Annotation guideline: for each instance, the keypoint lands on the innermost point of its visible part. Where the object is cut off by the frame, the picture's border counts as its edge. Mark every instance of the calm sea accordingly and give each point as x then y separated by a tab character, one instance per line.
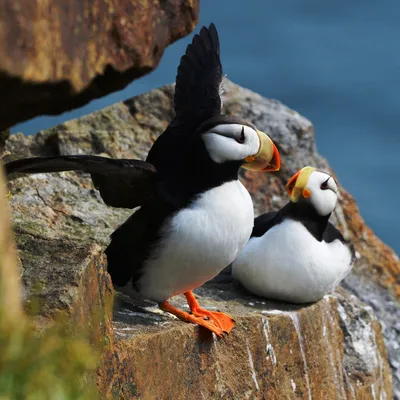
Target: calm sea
337	63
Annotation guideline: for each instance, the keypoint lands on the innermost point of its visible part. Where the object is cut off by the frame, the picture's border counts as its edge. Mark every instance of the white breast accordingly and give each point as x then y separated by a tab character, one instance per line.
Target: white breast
288	263
198	242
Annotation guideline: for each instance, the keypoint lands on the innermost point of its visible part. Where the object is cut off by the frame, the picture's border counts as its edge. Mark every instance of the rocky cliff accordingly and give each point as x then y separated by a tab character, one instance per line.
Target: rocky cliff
333	349
56	55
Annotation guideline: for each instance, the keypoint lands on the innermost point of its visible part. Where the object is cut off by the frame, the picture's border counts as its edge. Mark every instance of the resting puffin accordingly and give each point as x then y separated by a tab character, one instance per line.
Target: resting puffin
296	254
195	215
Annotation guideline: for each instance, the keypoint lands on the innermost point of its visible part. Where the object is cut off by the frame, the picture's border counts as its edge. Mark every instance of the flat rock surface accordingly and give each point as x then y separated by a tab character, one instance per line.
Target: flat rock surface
329	350
332	348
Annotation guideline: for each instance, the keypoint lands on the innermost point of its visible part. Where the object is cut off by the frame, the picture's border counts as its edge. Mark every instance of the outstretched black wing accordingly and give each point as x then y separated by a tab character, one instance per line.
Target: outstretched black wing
199	78
122	183
197	97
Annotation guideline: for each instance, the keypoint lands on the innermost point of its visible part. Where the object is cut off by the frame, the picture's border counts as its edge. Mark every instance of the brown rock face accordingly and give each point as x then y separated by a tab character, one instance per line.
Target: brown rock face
384	262
271	354
56	56
333	349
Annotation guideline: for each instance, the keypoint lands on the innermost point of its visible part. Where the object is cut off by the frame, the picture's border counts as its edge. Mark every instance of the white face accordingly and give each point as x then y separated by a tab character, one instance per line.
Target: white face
324	191
231	142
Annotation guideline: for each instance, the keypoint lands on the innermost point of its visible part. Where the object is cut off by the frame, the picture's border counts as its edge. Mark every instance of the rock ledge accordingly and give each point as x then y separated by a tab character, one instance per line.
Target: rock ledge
331	349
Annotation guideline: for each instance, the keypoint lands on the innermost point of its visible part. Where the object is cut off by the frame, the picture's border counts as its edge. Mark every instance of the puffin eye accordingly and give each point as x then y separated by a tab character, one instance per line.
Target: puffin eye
241	138
324	185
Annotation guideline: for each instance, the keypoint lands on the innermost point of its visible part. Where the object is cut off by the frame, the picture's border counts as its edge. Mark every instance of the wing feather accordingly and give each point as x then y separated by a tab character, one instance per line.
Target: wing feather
264	223
197	90
122	183
197	98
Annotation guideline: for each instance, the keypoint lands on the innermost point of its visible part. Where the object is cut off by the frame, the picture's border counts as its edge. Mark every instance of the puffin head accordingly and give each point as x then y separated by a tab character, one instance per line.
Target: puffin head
315	187
230	138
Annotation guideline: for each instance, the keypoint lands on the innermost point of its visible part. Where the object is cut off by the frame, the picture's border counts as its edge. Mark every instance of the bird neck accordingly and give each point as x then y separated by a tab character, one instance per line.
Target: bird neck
179	189
202	173
201	178
306	214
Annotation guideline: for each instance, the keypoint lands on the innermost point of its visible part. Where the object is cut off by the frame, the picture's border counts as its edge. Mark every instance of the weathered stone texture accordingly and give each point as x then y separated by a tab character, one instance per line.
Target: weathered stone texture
59	55
327	350
330	350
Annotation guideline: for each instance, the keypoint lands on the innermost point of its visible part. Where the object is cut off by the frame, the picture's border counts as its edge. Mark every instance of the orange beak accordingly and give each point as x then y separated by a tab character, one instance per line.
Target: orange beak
291	183
275	162
267	158
296	185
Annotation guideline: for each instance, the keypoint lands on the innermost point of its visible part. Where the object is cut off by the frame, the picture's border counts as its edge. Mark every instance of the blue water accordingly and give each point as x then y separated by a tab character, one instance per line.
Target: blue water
337	63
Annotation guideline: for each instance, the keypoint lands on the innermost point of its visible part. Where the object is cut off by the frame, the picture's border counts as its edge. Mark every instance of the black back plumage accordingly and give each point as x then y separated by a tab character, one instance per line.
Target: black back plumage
319	226
132	243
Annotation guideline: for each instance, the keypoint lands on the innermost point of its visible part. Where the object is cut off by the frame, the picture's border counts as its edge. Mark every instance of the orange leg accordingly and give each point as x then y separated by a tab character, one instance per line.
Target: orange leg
221	320
184	316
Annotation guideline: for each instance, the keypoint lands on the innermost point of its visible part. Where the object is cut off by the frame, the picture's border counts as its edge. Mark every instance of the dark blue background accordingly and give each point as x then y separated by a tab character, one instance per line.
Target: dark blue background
337	63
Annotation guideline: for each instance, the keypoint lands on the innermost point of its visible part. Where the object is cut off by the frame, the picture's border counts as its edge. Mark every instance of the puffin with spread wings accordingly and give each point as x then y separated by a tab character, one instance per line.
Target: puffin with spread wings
195	215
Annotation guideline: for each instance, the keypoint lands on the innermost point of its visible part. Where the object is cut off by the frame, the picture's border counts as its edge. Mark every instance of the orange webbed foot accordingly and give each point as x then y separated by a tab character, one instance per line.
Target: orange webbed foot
221	320
198	320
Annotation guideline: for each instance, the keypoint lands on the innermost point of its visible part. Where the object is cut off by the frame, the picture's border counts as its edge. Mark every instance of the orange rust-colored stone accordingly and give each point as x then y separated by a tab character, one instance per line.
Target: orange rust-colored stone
383	262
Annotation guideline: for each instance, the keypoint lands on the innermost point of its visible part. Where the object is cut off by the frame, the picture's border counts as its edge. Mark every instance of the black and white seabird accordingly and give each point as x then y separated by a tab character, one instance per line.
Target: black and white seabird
195	215
296	254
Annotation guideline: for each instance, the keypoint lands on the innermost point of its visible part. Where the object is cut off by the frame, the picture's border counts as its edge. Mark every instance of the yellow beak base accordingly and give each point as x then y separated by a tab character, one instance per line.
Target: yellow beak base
267	158
296	185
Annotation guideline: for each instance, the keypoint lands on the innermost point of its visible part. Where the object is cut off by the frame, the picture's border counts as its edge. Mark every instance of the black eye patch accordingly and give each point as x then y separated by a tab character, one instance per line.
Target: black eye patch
241	138
324	185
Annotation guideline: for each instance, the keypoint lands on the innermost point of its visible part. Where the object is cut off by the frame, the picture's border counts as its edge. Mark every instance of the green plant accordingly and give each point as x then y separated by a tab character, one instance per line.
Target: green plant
52	363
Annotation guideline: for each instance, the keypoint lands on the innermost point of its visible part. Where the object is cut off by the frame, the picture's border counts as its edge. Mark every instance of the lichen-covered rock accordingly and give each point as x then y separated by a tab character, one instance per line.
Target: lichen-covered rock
327	350
56	56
